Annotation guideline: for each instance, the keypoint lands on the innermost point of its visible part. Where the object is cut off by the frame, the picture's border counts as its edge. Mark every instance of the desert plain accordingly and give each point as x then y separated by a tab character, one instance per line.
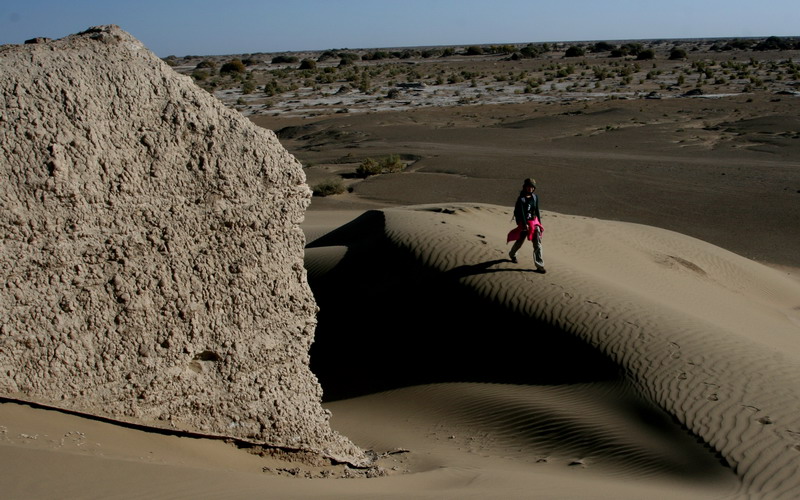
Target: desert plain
658	357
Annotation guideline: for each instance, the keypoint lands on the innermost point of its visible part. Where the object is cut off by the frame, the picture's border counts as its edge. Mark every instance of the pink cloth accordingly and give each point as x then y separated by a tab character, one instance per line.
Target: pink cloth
513	235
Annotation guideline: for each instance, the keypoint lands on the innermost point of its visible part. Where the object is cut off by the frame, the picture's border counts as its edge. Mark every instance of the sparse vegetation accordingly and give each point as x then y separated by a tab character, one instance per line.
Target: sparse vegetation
388	165
232	66
677	53
248	87
206	64
368	167
575	51
645	55
329	187
494	73
308	64
602	47
284	59
392	164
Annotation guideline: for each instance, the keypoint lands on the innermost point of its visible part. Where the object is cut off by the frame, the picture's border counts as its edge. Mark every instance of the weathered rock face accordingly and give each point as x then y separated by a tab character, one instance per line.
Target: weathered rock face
151	261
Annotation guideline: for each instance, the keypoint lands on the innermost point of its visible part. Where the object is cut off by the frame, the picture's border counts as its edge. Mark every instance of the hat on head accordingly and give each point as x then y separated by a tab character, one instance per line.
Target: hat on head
529	183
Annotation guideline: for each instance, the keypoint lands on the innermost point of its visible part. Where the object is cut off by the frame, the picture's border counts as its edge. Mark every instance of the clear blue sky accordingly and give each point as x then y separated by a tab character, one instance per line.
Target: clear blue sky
204	27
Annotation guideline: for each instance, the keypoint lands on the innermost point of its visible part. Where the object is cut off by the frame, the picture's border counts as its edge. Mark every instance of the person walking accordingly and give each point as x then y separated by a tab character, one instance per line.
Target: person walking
529	226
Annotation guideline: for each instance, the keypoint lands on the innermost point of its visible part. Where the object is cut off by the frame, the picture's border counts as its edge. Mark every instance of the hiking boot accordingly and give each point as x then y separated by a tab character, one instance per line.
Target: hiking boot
541	270
513	258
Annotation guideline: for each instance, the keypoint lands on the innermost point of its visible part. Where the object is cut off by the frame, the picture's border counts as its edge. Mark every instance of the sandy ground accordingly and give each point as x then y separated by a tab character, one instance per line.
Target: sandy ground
644	363
657	358
722	170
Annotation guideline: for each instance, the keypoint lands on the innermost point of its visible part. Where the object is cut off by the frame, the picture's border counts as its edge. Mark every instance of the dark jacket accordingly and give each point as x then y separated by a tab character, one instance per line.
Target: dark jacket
526	208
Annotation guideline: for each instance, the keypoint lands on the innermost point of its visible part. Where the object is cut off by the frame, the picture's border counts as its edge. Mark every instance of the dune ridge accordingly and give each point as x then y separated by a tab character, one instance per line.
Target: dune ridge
700	332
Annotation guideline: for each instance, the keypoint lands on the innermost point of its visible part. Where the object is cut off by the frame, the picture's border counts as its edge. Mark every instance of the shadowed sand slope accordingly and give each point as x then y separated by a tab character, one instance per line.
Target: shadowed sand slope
631	324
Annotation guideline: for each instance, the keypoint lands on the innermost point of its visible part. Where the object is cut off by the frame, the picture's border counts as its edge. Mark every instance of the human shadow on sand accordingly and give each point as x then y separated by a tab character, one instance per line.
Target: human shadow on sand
485	268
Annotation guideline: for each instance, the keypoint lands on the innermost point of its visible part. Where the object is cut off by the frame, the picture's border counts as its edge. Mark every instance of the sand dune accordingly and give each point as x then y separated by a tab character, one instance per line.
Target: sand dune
706	336
645	363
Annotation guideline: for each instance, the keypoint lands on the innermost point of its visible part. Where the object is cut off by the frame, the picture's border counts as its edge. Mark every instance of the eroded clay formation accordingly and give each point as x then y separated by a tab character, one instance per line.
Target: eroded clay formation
151	259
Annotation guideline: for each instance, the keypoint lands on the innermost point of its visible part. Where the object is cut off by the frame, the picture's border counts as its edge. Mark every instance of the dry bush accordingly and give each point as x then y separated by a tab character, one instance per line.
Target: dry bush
328	187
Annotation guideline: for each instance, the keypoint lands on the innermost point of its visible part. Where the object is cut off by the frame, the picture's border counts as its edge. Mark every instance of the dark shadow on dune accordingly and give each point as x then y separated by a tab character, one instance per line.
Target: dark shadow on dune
386	322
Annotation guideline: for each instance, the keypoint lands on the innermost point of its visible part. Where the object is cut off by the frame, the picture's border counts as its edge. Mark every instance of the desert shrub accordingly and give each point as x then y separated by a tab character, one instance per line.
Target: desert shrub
600	73
500	49
328	54
575	51
328	187
284	59
646	54
530	51
392	164
474	50
232	66
629	49
737	44
272	87
376	55
677	53
408	54
449	51
633	48
602	47
773	43
368	167
308	64
211	65
392	94
349	57
364	84
326	78
248	87
565	72
200	74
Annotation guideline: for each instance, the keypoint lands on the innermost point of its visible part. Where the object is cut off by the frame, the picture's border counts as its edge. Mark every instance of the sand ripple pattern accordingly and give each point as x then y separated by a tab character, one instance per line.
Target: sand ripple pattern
702	333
